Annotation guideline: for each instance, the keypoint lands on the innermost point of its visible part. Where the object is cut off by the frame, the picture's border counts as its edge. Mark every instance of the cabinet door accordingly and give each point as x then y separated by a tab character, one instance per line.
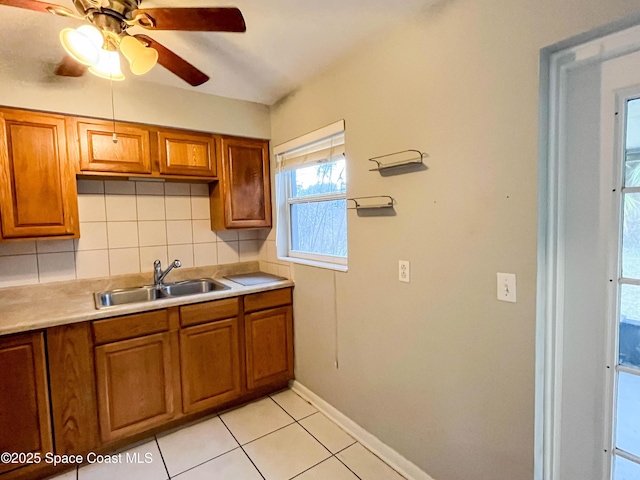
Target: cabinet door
98	152
242	197
187	153
24	400
269	346
38	196
210	364
135	385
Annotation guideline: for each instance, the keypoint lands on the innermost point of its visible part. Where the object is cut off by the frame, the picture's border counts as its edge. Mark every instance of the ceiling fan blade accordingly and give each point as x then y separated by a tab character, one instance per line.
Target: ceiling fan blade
68	67
36	6
174	63
194	19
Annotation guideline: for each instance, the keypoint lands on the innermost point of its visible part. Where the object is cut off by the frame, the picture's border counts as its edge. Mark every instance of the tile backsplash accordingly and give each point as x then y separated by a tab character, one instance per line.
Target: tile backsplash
125	226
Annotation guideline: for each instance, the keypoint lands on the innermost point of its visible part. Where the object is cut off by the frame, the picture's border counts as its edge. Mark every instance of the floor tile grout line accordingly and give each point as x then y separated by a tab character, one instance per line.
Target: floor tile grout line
262	436
345	465
164	463
206	461
243	450
312	466
314	437
282	408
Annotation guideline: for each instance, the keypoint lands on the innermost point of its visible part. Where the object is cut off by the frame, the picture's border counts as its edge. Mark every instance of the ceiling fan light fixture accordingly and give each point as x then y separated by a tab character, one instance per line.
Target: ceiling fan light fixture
82	44
108	66
141	58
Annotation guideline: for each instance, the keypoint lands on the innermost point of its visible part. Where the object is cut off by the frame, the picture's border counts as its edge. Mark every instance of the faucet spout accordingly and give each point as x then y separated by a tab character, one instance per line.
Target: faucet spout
159	275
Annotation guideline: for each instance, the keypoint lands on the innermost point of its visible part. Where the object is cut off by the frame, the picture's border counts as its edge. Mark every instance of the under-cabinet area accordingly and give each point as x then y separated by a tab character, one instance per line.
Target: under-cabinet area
95	386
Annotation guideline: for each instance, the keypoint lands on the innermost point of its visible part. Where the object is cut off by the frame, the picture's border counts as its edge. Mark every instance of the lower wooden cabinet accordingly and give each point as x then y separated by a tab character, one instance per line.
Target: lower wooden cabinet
25	425
135	385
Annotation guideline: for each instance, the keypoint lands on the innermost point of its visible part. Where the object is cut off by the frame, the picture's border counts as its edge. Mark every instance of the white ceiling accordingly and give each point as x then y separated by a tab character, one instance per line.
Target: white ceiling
286	43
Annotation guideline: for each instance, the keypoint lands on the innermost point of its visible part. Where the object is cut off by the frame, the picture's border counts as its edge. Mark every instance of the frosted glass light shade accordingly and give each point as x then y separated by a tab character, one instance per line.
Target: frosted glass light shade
82	44
108	66
141	58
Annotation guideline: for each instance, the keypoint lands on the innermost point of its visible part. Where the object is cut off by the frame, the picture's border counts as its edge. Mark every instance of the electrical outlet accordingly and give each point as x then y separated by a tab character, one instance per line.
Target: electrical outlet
404	272
507	287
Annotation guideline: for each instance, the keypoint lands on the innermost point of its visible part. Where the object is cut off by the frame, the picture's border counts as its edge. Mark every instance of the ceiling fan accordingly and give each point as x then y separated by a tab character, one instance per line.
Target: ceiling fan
94	46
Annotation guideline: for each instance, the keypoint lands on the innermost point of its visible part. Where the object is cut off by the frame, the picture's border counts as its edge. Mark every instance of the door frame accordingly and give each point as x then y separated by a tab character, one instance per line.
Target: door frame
595	47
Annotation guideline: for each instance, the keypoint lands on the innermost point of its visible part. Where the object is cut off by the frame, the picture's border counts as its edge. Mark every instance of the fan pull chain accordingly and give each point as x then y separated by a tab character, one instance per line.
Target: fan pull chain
113	113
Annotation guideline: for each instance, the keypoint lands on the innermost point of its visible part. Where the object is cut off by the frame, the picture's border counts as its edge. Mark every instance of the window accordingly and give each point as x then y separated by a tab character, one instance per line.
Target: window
311	187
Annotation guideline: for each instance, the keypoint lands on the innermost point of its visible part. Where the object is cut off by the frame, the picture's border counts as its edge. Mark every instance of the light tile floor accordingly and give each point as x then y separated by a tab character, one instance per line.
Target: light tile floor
276	438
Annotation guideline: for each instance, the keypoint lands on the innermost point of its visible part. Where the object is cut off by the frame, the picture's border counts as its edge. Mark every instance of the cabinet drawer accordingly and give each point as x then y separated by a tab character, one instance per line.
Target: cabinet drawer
207	312
130	326
264	300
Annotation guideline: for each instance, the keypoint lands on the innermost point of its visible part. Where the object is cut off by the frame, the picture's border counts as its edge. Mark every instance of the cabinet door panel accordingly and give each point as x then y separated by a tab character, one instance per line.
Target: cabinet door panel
210	364
135	389
187	154
24	400
37	182
98	153
269	346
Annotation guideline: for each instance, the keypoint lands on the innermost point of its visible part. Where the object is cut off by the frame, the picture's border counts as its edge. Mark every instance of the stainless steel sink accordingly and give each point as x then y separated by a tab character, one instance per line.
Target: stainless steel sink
150	293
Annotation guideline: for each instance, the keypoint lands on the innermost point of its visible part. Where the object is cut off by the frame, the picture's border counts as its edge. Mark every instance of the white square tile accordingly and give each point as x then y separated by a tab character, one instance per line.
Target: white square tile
171	188
148	255
91	208
150	188
271	268
90	186
17	248
93	236
228	253
263	249
121	208
228	235
184	253
294	405
272	254
327	433
179	232
255	420
18	270
248	234
122	234
56	267
263	233
200	190
202	232
54	246
286	453
366	465
205	254
152	233
249	250
70	475
284	271
234	465
178	207
331	468
92	264
150	207
130	467
195	444
200	208
119	187
124	260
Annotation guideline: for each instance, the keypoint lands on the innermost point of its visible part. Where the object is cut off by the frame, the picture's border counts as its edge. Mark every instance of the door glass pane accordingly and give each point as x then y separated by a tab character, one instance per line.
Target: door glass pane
320	227
626	469
631	236
630	326
628	414
632	145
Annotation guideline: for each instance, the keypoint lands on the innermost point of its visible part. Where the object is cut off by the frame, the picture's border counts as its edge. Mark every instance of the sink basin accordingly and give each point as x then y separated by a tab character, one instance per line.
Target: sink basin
125	296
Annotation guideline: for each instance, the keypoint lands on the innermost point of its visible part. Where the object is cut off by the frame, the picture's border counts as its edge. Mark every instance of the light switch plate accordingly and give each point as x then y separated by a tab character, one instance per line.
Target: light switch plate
507	287
404	271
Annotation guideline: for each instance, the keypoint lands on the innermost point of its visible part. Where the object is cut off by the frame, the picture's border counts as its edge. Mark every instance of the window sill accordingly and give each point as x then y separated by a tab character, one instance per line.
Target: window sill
314	263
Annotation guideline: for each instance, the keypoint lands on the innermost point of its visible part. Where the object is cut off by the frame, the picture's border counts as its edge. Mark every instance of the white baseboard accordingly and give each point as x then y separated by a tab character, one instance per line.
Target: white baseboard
396	461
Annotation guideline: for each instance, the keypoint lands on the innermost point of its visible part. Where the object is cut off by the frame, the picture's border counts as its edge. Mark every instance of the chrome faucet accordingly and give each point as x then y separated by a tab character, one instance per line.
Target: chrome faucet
158	274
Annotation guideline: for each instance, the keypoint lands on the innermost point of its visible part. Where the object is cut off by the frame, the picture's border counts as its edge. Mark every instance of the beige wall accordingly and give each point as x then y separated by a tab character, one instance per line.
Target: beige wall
438	368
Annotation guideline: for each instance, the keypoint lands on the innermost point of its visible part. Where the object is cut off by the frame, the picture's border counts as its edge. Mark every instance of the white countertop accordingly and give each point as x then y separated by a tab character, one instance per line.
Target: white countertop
35	307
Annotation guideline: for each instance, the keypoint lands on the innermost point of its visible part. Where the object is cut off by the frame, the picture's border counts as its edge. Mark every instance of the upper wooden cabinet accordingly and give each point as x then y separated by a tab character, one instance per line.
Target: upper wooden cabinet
99	153
242	197
37	180
25	424
186	153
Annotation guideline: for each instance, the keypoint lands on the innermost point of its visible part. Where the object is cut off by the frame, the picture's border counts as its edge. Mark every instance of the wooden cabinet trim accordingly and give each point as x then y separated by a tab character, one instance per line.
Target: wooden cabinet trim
209	311
130	326
270	299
